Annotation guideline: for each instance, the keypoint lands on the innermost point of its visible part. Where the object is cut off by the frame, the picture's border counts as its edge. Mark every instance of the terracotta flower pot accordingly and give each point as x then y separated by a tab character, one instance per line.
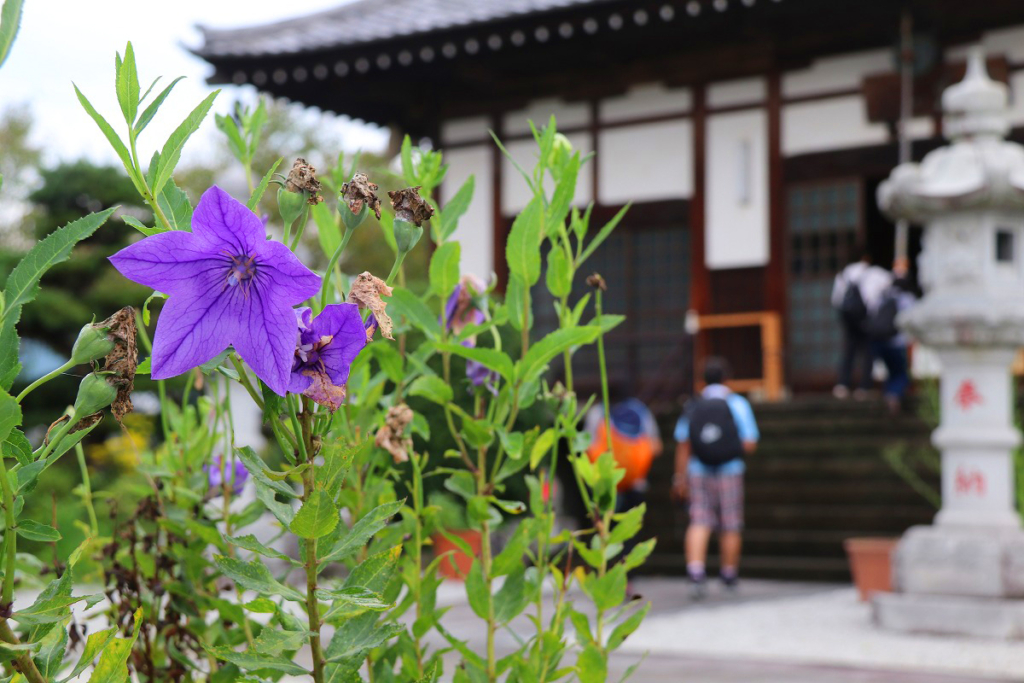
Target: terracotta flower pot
871	564
457	563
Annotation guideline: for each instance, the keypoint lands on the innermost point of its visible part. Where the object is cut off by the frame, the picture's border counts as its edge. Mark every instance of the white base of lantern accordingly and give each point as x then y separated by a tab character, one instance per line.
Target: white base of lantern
996	618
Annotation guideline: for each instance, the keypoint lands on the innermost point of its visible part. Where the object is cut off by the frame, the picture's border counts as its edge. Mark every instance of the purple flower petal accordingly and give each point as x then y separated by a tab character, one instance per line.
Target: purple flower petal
292	281
222	222
167	262
326	348
267	341
214	476
451	306
191	331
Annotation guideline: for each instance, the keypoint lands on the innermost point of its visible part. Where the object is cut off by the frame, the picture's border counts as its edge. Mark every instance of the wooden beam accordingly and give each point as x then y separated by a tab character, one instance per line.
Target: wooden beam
700	290
497	219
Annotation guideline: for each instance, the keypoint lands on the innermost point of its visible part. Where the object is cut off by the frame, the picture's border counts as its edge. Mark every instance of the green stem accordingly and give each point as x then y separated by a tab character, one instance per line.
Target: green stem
485	566
243	379
395	268
87	490
44	379
24	660
61	433
312	603
302	228
148	196
10	539
335	257
604	370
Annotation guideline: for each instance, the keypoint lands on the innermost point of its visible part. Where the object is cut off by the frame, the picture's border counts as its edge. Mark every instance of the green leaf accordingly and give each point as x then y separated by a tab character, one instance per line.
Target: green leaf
52	648
351	602
561	200
23	283
455	208
176	207
362	531
251	660
476	591
10	415
150	111
432	388
444	269
94	644
492	359
144	229
368	640
34	531
256	577
591	666
10	19
282	511
559	273
108	132
406	304
258	471
627	626
523	247
273	641
602	235
16	446
257	194
541	353
48	610
541	447
171	151
253	545
517	301
128	86
512	598
317	517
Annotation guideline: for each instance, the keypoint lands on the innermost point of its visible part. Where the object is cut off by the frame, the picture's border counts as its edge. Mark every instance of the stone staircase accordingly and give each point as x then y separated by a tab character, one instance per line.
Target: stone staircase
818	478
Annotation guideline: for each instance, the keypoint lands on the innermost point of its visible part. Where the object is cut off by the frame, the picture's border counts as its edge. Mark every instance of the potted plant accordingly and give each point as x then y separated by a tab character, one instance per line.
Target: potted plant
454	540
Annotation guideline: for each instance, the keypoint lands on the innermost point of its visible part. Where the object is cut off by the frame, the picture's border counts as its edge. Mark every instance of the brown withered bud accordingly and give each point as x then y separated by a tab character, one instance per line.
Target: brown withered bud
359	191
597	282
410	206
302	177
366	292
122	360
391	437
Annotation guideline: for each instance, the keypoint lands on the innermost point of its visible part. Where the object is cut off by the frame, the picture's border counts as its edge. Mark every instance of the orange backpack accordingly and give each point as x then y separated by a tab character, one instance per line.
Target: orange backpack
633	454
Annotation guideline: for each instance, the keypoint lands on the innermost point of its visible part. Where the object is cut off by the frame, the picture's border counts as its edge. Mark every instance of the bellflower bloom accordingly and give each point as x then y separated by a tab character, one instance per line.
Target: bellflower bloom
460	311
227	286
237	478
480	375
326	347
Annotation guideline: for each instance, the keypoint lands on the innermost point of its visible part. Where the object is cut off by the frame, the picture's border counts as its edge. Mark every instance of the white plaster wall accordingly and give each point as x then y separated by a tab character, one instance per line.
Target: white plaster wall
740	91
834	123
515	194
646	162
567	114
836	73
737	228
476	227
1017	98
645	100
470	129
1005	41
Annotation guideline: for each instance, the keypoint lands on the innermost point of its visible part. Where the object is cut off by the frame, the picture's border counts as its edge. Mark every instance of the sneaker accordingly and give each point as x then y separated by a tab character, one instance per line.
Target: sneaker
698	587
840	391
730	582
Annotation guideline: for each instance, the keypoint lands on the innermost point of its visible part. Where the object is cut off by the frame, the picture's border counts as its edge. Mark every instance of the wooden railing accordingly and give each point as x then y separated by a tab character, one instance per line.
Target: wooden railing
771	381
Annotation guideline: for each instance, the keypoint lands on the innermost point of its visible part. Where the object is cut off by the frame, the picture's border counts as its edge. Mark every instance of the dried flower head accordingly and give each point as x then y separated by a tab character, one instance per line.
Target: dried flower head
391	437
122	360
597	282
360	191
366	292
301	178
410	206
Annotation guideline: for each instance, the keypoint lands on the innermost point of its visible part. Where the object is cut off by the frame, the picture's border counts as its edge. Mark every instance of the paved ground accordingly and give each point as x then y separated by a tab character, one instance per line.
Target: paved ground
775	632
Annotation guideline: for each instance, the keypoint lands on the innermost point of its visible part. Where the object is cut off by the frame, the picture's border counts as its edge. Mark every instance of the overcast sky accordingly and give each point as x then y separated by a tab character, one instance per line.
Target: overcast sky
74	40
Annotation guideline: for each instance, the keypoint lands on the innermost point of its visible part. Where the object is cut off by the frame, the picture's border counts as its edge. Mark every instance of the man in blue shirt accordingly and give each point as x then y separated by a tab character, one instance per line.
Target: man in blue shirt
713	435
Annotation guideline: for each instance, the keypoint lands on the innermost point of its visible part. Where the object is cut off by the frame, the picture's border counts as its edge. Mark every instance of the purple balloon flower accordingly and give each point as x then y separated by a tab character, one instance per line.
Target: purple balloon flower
481	375
237	478
460	310
326	347
227	286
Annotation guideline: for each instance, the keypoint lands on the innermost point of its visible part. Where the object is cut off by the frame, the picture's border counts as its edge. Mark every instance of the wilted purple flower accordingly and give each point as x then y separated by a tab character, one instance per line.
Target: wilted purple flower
326	347
237	478
227	285
460	310
481	375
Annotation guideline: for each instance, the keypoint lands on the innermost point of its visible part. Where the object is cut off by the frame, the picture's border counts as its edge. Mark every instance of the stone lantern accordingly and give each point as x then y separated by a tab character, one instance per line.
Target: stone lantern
965	573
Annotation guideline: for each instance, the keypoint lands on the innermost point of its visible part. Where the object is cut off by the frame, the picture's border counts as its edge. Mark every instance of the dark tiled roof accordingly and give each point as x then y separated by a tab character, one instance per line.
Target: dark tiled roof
368	21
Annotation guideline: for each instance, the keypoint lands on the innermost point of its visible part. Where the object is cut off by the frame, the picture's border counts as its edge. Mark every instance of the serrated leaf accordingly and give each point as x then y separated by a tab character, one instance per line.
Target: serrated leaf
523	247
112	666
252	544
34	531
94	644
10	415
113	139
351	602
591	666
432	388
176	207
541	447
553	344
455	208
257	194
626	627
127	86
362	531
492	359
317	517
256	577
252	660
444	269
406	304
17	446
171	151
256	468
142	227
52	648
150	111
10	20
602	235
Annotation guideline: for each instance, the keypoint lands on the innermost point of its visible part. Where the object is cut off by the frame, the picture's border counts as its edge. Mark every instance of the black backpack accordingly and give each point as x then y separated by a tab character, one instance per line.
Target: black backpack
714	438
853	309
882	324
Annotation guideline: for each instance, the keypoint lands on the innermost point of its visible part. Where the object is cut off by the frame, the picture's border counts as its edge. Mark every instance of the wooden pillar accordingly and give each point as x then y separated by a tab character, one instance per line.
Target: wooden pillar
700	285
776	274
497	219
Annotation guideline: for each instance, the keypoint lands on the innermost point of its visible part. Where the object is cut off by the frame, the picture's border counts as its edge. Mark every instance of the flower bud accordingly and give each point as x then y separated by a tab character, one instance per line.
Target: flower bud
94	393
290	204
406	235
352	220
93	343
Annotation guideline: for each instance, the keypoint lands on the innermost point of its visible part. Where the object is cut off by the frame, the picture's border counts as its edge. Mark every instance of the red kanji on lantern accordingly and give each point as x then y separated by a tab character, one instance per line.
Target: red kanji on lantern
967	395
967	482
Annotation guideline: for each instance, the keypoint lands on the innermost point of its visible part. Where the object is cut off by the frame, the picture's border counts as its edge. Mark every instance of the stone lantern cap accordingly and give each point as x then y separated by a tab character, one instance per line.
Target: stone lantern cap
979	170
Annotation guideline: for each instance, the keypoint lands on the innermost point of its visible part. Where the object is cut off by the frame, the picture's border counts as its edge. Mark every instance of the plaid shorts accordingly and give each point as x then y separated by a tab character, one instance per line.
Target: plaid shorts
716	501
